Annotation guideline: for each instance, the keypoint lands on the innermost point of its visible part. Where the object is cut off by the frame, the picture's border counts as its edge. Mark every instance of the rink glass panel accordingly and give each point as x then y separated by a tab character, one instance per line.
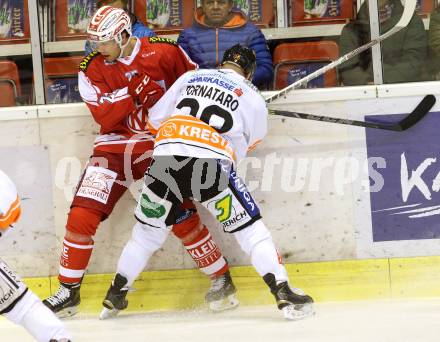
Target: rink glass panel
315	41
16	72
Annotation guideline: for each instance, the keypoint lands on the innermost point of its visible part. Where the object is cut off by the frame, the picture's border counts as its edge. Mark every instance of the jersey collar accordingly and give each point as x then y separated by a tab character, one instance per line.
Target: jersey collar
129	59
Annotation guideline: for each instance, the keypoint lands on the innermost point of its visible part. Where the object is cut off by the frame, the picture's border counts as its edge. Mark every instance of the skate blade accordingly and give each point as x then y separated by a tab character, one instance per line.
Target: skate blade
67	312
108	313
293	314
228	303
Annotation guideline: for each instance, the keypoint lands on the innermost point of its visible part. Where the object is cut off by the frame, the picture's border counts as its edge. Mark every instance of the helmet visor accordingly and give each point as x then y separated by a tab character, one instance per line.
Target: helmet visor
95	44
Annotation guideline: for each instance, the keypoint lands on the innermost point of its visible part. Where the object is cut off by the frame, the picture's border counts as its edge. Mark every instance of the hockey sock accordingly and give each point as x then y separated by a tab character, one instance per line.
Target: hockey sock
206	254
74	260
145	240
78	244
265	259
256	241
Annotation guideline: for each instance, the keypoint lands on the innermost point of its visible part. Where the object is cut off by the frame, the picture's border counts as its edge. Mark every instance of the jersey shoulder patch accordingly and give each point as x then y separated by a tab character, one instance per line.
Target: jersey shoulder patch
162	40
86	61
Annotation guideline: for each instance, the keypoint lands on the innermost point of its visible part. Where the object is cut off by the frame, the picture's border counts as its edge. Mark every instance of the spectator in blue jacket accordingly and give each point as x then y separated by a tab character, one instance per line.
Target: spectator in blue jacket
217	27
138	28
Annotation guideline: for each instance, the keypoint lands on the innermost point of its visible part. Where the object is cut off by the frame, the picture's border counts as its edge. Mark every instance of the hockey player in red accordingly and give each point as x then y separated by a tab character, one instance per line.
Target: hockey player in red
119	81
205	124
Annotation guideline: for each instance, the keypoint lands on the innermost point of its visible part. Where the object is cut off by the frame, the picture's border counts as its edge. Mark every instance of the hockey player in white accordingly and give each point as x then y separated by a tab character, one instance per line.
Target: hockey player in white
204	124
17	303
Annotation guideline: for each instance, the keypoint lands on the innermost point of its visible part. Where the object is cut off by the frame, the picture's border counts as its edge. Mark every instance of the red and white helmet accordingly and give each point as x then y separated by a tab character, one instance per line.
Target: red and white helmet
108	23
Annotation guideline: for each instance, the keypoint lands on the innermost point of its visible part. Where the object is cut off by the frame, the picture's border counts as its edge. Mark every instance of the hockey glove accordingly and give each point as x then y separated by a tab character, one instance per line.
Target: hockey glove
144	90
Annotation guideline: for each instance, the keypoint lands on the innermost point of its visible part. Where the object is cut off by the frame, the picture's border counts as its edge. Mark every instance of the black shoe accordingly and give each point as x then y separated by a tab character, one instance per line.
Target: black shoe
221	294
65	302
294	303
115	299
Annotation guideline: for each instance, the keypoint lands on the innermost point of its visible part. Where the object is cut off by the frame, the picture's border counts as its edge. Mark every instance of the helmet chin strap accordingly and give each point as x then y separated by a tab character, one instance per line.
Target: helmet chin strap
122	46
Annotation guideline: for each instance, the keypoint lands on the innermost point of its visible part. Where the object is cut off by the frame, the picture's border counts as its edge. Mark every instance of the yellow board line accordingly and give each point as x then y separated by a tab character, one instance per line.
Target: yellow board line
325	281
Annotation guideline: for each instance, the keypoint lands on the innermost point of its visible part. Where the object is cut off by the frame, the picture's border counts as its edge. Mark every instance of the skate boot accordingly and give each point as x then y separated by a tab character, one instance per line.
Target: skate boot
221	294
115	299
294	303
65	302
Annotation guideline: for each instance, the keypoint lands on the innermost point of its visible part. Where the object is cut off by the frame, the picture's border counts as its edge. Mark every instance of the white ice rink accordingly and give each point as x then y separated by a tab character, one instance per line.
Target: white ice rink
378	321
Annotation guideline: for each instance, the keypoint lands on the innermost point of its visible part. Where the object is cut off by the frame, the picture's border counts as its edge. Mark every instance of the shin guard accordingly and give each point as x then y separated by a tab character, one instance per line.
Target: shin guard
206	254
76	253
199	243
256	241
145	240
74	260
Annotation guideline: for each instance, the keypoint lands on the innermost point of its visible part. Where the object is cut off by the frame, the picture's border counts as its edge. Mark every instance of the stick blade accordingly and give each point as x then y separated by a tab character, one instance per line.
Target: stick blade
418	113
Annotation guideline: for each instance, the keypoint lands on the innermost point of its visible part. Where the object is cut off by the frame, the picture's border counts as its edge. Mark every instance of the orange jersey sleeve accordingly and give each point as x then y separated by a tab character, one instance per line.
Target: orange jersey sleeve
9	202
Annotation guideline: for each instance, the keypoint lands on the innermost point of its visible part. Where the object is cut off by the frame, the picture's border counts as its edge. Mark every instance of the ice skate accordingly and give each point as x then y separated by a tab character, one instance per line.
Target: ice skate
115	300
65	302
294	303
221	294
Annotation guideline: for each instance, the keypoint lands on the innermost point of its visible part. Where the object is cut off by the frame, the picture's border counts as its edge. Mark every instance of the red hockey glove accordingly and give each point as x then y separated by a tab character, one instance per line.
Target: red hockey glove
144	90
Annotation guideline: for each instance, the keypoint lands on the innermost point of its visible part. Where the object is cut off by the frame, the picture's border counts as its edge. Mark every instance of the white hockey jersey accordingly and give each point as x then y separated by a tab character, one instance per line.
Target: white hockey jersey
9	202
209	114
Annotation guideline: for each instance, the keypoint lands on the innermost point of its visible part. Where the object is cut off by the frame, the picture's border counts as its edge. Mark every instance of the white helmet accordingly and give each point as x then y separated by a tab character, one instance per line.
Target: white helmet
107	24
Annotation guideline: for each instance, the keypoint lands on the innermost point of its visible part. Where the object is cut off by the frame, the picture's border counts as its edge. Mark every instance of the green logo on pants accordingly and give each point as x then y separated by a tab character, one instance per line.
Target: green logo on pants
151	209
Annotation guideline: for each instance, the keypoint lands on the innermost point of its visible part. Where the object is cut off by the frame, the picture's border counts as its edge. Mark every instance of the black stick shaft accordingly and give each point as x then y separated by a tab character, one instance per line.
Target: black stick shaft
415	116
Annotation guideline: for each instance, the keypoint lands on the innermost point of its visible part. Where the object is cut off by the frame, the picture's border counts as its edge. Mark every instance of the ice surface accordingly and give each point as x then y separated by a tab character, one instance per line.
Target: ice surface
369	321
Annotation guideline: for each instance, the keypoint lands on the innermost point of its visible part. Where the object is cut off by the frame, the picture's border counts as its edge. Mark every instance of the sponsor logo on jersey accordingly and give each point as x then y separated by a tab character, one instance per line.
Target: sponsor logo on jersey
97	181
224	206
238	91
213	80
13	276
86	61
6	296
137	121
11	286
226	210
203	250
232	211
151	209
65	256
205	254
187	128
129	74
97	184
186	214
148	54
10	275
218	95
162	40
204	135
235	220
169	130
241	188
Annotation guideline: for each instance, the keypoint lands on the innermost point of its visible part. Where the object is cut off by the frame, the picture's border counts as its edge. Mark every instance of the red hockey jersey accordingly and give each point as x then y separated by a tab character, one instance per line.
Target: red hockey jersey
103	87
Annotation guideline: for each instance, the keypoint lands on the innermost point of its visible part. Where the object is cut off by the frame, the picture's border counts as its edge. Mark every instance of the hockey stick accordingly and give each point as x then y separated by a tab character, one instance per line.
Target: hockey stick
407	14
415	116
